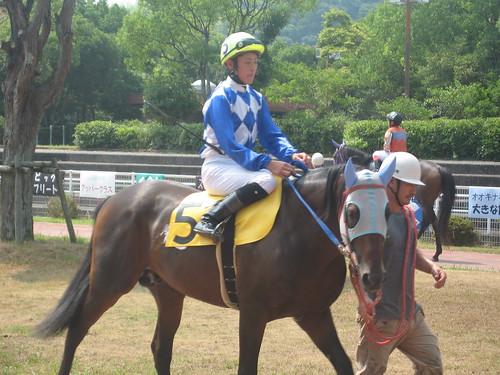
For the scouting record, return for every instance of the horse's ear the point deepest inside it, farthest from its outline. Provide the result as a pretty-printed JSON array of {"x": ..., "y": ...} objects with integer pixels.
[
  {"x": 350, "y": 175},
  {"x": 385, "y": 174},
  {"x": 335, "y": 144}
]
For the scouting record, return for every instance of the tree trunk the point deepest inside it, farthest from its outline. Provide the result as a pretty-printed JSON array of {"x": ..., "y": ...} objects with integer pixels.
[
  {"x": 19, "y": 146},
  {"x": 26, "y": 97}
]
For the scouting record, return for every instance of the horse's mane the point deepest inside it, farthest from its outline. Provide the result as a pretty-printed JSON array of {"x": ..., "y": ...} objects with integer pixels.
[
  {"x": 323, "y": 187},
  {"x": 358, "y": 156}
]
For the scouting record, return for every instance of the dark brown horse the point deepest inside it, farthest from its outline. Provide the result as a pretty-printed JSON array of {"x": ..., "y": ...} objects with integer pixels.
[
  {"x": 439, "y": 183},
  {"x": 295, "y": 271}
]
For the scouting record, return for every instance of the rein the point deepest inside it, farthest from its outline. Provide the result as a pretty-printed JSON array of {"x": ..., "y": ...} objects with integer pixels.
[{"x": 344, "y": 250}]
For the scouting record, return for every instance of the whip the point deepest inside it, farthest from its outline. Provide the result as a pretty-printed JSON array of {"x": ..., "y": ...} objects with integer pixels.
[{"x": 183, "y": 127}]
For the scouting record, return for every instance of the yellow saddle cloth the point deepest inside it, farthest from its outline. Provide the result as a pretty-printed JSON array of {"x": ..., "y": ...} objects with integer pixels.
[{"x": 253, "y": 222}]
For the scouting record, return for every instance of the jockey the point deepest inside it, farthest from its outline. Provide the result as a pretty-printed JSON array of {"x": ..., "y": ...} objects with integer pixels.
[
  {"x": 394, "y": 139},
  {"x": 235, "y": 115}
]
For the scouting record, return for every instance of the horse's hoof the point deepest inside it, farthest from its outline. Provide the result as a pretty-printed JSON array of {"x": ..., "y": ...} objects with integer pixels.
[{"x": 435, "y": 259}]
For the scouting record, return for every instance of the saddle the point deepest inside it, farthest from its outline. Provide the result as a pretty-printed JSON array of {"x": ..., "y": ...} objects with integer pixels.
[{"x": 250, "y": 224}]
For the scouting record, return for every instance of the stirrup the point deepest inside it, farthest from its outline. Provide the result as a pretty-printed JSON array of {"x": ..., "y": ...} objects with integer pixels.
[{"x": 215, "y": 234}]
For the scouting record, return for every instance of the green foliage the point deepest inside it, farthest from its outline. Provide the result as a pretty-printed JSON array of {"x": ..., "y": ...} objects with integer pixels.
[
  {"x": 170, "y": 89},
  {"x": 413, "y": 109},
  {"x": 462, "y": 231},
  {"x": 96, "y": 134},
  {"x": 294, "y": 54},
  {"x": 310, "y": 134},
  {"x": 173, "y": 138},
  {"x": 466, "y": 101},
  {"x": 339, "y": 34},
  {"x": 365, "y": 135},
  {"x": 477, "y": 139},
  {"x": 54, "y": 207}
]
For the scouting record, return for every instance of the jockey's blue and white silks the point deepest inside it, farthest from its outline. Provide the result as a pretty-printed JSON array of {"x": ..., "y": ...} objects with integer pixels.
[{"x": 235, "y": 116}]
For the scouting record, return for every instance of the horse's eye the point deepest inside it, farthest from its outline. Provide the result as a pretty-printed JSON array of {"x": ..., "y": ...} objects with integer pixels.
[{"x": 352, "y": 215}]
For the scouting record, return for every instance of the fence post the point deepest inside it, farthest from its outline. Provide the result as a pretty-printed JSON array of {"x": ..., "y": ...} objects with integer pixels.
[
  {"x": 64, "y": 203},
  {"x": 18, "y": 217}
]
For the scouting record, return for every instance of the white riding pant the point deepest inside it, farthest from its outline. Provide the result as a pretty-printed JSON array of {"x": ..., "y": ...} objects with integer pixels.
[
  {"x": 221, "y": 176},
  {"x": 380, "y": 154}
]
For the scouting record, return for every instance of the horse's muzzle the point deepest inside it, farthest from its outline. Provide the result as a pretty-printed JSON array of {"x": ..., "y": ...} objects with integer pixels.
[{"x": 372, "y": 281}]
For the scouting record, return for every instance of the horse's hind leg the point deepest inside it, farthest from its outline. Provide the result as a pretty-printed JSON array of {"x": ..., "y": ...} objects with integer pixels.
[
  {"x": 111, "y": 277},
  {"x": 439, "y": 246},
  {"x": 94, "y": 306},
  {"x": 321, "y": 330},
  {"x": 170, "y": 303}
]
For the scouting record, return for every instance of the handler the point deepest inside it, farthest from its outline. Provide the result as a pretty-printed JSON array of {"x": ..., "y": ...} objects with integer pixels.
[
  {"x": 418, "y": 342},
  {"x": 236, "y": 115}
]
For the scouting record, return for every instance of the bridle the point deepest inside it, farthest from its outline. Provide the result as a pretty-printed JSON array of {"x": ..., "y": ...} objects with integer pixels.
[
  {"x": 367, "y": 305},
  {"x": 339, "y": 156}
]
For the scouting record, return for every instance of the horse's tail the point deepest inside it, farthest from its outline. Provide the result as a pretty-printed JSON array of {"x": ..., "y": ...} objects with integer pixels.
[
  {"x": 70, "y": 304},
  {"x": 446, "y": 204}
]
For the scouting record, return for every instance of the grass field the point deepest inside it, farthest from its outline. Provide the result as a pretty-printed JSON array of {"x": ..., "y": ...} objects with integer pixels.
[{"x": 465, "y": 316}]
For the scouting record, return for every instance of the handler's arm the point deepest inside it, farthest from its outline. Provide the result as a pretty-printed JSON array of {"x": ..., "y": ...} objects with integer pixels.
[{"x": 428, "y": 266}]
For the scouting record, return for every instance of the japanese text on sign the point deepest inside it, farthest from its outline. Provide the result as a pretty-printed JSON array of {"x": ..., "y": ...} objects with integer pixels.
[
  {"x": 484, "y": 202},
  {"x": 44, "y": 184},
  {"x": 97, "y": 184}
]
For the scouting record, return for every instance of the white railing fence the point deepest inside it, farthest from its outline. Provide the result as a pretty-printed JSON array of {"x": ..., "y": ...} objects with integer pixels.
[{"x": 487, "y": 229}]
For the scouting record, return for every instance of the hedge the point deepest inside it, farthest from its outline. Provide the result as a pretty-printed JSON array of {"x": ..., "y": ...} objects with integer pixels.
[{"x": 474, "y": 139}]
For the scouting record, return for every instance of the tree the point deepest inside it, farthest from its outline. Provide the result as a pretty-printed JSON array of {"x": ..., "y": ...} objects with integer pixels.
[
  {"x": 98, "y": 83},
  {"x": 339, "y": 34},
  {"x": 31, "y": 85}
]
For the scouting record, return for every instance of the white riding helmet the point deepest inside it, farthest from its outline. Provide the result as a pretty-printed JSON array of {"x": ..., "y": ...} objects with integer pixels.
[{"x": 407, "y": 167}]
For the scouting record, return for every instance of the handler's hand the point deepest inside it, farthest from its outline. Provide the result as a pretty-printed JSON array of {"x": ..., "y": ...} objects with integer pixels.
[
  {"x": 281, "y": 168},
  {"x": 439, "y": 275},
  {"x": 304, "y": 158}
]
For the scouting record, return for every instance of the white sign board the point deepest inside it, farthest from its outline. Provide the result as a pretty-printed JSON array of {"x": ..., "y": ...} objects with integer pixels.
[
  {"x": 484, "y": 202},
  {"x": 97, "y": 184}
]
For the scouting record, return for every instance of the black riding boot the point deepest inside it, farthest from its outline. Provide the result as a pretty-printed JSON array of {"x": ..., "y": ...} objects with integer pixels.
[{"x": 244, "y": 196}]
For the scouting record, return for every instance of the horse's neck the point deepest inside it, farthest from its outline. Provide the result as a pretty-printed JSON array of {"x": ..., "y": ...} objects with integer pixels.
[
  {"x": 322, "y": 191},
  {"x": 360, "y": 157}
]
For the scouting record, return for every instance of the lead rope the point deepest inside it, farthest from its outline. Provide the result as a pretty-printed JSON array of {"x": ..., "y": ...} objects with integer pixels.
[
  {"x": 354, "y": 270},
  {"x": 372, "y": 333}
]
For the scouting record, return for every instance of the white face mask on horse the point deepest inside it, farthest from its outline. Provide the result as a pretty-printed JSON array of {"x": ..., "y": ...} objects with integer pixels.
[{"x": 365, "y": 189}]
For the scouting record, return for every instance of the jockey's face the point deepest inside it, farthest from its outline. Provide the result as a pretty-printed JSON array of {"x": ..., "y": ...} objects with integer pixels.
[{"x": 246, "y": 68}]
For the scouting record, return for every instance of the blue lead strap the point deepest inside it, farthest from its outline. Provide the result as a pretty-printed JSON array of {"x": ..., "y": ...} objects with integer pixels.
[{"x": 320, "y": 222}]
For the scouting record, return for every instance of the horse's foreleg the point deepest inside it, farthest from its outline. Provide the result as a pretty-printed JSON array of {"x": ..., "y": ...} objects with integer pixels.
[
  {"x": 252, "y": 327},
  {"x": 321, "y": 330},
  {"x": 170, "y": 303}
]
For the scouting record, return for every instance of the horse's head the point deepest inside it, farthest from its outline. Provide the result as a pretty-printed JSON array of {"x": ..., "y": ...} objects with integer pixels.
[
  {"x": 339, "y": 156},
  {"x": 363, "y": 221},
  {"x": 343, "y": 153}
]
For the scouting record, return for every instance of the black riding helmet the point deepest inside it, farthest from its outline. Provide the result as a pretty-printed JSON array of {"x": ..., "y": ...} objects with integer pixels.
[{"x": 395, "y": 118}]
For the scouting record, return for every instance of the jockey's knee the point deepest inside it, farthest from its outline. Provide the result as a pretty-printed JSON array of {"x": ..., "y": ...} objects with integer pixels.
[{"x": 267, "y": 182}]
